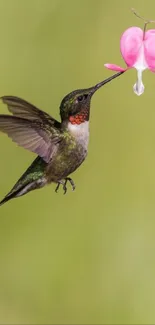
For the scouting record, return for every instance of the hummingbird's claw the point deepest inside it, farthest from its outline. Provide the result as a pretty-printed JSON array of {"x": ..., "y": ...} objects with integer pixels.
[
  {"x": 71, "y": 182},
  {"x": 64, "y": 186},
  {"x": 56, "y": 190},
  {"x": 58, "y": 185},
  {"x": 64, "y": 183}
]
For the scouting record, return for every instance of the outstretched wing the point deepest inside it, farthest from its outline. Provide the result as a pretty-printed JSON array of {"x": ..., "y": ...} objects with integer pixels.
[
  {"x": 30, "y": 127},
  {"x": 21, "y": 108}
]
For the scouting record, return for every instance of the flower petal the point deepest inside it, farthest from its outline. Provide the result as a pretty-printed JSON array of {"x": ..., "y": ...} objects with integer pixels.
[
  {"x": 141, "y": 63},
  {"x": 149, "y": 49},
  {"x": 130, "y": 44},
  {"x": 114, "y": 67},
  {"x": 138, "y": 88}
]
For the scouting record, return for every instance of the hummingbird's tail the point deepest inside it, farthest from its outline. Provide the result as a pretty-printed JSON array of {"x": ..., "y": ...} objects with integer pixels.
[
  {"x": 23, "y": 189},
  {"x": 32, "y": 179}
]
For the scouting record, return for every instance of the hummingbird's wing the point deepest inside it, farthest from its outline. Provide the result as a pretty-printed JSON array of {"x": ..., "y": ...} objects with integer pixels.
[
  {"x": 21, "y": 108},
  {"x": 30, "y": 127}
]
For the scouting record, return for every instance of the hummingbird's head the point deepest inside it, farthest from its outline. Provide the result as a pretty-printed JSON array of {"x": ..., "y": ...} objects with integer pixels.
[{"x": 75, "y": 107}]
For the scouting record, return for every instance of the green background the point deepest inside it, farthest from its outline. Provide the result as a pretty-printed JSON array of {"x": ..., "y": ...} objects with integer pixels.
[{"x": 89, "y": 256}]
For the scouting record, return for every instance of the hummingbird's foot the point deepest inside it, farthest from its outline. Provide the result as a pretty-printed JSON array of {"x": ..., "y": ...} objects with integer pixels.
[
  {"x": 56, "y": 190},
  {"x": 71, "y": 182},
  {"x": 64, "y": 183},
  {"x": 58, "y": 185},
  {"x": 65, "y": 187}
]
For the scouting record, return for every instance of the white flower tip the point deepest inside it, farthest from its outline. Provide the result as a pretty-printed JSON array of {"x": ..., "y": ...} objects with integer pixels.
[{"x": 138, "y": 88}]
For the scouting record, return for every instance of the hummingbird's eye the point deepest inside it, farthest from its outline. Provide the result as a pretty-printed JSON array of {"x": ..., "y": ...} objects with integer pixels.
[{"x": 81, "y": 98}]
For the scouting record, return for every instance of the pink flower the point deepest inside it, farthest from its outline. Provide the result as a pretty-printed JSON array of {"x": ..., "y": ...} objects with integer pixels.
[{"x": 138, "y": 51}]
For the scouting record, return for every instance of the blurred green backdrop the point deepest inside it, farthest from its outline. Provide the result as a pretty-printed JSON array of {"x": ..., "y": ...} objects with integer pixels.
[{"x": 89, "y": 256}]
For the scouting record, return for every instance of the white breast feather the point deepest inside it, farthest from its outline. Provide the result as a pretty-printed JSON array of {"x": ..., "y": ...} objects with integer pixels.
[{"x": 80, "y": 132}]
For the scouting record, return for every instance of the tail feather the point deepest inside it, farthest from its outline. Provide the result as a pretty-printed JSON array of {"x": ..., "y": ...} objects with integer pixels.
[
  {"x": 9, "y": 196},
  {"x": 32, "y": 179},
  {"x": 23, "y": 189}
]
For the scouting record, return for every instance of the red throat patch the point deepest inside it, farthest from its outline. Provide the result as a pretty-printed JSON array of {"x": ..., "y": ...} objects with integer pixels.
[{"x": 79, "y": 118}]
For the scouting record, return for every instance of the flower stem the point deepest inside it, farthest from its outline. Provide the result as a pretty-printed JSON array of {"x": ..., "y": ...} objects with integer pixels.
[{"x": 146, "y": 21}]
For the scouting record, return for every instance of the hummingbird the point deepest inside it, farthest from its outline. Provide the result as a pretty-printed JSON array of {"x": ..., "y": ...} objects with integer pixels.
[{"x": 61, "y": 147}]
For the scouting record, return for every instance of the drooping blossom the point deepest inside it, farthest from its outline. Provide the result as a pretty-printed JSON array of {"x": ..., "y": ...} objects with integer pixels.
[{"x": 138, "y": 51}]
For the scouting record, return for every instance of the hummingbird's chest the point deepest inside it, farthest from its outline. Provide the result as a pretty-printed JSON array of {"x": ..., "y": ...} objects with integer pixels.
[
  {"x": 80, "y": 134},
  {"x": 71, "y": 152}
]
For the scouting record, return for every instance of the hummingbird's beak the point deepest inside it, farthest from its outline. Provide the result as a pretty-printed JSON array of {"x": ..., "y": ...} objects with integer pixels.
[{"x": 102, "y": 83}]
